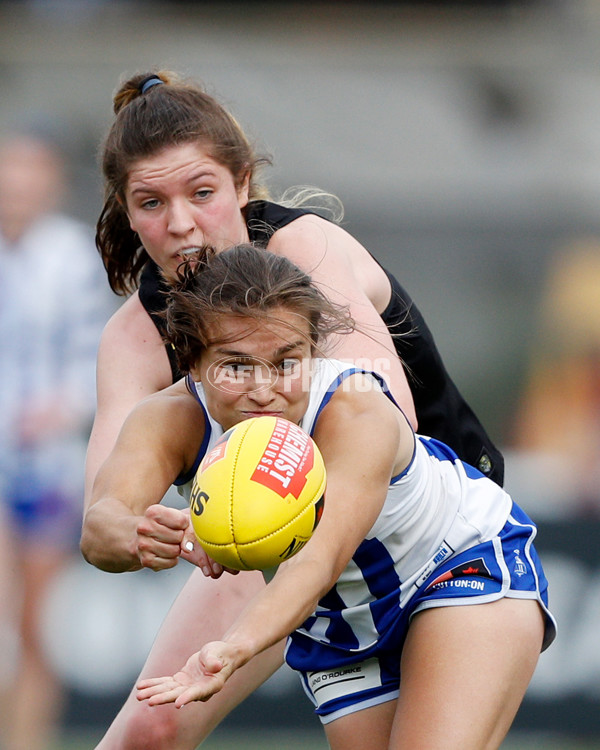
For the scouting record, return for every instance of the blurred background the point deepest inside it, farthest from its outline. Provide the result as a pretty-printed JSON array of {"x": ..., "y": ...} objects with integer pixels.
[{"x": 463, "y": 139}]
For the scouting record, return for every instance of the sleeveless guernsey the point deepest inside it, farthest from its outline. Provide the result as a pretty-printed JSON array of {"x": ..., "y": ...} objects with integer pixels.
[
  {"x": 445, "y": 536},
  {"x": 436, "y": 505}
]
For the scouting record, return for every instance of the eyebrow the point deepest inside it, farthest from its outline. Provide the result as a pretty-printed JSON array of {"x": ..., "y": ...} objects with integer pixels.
[
  {"x": 193, "y": 178},
  {"x": 277, "y": 353}
]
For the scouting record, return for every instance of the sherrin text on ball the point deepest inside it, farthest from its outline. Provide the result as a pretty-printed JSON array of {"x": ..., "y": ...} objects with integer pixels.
[{"x": 258, "y": 494}]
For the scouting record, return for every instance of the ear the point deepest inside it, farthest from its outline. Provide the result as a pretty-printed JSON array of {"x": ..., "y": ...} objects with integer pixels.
[{"x": 244, "y": 191}]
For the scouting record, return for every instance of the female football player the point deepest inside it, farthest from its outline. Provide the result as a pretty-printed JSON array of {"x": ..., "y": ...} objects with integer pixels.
[{"x": 421, "y": 572}]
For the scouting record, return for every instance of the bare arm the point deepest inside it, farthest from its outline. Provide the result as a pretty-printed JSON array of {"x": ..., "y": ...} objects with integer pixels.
[
  {"x": 349, "y": 276},
  {"x": 125, "y": 527},
  {"x": 364, "y": 440},
  {"x": 132, "y": 364}
]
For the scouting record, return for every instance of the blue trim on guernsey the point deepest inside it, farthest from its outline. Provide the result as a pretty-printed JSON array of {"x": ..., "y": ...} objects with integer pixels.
[
  {"x": 335, "y": 384},
  {"x": 189, "y": 475},
  {"x": 332, "y": 388},
  {"x": 443, "y": 452}
]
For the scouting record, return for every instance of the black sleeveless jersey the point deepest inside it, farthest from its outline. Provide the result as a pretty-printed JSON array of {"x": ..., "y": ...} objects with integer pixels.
[{"x": 441, "y": 410}]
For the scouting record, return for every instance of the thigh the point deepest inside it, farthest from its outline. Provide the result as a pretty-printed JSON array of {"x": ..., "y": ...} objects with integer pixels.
[
  {"x": 204, "y": 609},
  {"x": 369, "y": 728},
  {"x": 464, "y": 672}
]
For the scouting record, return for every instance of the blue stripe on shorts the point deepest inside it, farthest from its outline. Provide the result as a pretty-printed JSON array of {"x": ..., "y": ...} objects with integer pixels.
[{"x": 340, "y": 682}]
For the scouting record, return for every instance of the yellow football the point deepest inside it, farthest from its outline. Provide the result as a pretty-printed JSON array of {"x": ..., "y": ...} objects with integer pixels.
[{"x": 258, "y": 494}]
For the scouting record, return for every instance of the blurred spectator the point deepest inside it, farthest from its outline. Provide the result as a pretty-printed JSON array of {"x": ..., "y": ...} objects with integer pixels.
[
  {"x": 53, "y": 305},
  {"x": 557, "y": 427}
]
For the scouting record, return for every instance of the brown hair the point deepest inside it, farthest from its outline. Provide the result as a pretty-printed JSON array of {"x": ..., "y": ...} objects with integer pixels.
[
  {"x": 248, "y": 281},
  {"x": 148, "y": 119}
]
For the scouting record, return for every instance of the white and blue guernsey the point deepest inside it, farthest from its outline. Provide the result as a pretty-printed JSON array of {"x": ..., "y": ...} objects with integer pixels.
[{"x": 446, "y": 536}]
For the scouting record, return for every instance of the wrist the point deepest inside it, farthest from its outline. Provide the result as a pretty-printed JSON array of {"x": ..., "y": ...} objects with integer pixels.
[{"x": 242, "y": 649}]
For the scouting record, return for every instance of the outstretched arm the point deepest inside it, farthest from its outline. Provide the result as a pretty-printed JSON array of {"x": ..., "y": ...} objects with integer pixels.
[
  {"x": 132, "y": 364},
  {"x": 125, "y": 527},
  {"x": 359, "y": 435}
]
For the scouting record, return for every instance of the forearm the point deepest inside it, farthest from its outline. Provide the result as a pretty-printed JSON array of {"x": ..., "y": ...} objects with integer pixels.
[
  {"x": 274, "y": 614},
  {"x": 109, "y": 537}
]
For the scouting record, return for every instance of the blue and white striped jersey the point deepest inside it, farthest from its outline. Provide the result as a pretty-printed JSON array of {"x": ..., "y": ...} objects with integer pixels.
[{"x": 436, "y": 507}]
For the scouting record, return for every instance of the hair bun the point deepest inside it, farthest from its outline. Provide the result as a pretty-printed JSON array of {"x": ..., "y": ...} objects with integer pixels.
[{"x": 135, "y": 87}]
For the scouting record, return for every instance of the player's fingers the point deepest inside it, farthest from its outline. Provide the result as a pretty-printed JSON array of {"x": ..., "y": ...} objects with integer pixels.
[
  {"x": 158, "y": 563},
  {"x": 150, "y": 682},
  {"x": 169, "y": 696},
  {"x": 162, "y": 692},
  {"x": 151, "y": 530},
  {"x": 158, "y": 557},
  {"x": 172, "y": 518},
  {"x": 197, "y": 556},
  {"x": 196, "y": 693},
  {"x": 158, "y": 547}
]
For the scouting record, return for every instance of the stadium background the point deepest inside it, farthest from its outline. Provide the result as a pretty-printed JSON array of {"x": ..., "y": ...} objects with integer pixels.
[{"x": 464, "y": 141}]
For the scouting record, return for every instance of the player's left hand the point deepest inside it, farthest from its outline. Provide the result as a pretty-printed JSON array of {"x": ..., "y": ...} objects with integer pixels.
[{"x": 204, "y": 674}]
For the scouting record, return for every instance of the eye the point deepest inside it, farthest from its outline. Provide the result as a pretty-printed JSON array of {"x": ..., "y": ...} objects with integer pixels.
[
  {"x": 237, "y": 368},
  {"x": 149, "y": 204},
  {"x": 203, "y": 194},
  {"x": 289, "y": 365}
]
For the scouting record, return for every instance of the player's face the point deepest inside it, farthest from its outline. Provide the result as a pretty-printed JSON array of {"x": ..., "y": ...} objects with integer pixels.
[
  {"x": 259, "y": 368},
  {"x": 180, "y": 199}
]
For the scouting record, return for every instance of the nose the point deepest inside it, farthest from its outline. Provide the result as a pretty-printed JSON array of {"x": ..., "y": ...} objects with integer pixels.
[
  {"x": 262, "y": 395},
  {"x": 262, "y": 390},
  {"x": 181, "y": 218}
]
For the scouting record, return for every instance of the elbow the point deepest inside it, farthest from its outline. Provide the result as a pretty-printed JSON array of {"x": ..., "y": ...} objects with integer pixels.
[
  {"x": 97, "y": 556},
  {"x": 89, "y": 548},
  {"x": 85, "y": 543},
  {"x": 97, "y": 552},
  {"x": 107, "y": 541}
]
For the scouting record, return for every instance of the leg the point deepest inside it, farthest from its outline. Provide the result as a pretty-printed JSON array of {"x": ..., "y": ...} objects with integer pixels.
[
  {"x": 465, "y": 671},
  {"x": 202, "y": 612},
  {"x": 369, "y": 728},
  {"x": 35, "y": 700},
  {"x": 11, "y": 597}
]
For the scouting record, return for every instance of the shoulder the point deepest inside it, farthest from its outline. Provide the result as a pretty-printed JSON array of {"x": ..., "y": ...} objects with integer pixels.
[
  {"x": 309, "y": 225},
  {"x": 326, "y": 252},
  {"x": 173, "y": 401},
  {"x": 359, "y": 393},
  {"x": 132, "y": 348},
  {"x": 312, "y": 242},
  {"x": 131, "y": 324},
  {"x": 173, "y": 411},
  {"x": 171, "y": 419},
  {"x": 360, "y": 413},
  {"x": 264, "y": 219},
  {"x": 364, "y": 438}
]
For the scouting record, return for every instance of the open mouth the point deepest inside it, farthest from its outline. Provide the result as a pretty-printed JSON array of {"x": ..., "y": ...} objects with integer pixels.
[{"x": 190, "y": 251}]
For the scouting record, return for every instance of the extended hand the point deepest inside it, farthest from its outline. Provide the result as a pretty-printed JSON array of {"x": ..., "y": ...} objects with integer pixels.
[{"x": 204, "y": 674}]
